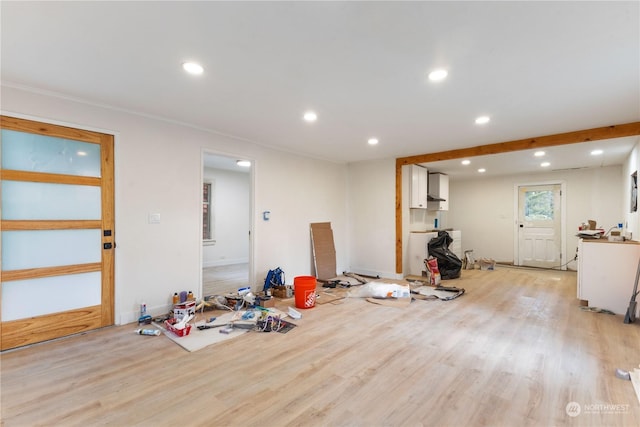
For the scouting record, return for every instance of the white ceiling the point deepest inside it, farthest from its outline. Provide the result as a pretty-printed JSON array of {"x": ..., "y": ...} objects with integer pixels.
[
  {"x": 215, "y": 161},
  {"x": 563, "y": 157},
  {"x": 536, "y": 68}
]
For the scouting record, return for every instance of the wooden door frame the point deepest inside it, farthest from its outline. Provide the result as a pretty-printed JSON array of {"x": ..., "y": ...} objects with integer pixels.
[
  {"x": 20, "y": 332},
  {"x": 595, "y": 134}
]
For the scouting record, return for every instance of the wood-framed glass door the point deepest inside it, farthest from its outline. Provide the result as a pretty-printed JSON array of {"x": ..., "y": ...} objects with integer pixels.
[{"x": 57, "y": 231}]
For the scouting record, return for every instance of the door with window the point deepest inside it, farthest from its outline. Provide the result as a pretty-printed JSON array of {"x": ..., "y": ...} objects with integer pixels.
[
  {"x": 539, "y": 225},
  {"x": 57, "y": 231}
]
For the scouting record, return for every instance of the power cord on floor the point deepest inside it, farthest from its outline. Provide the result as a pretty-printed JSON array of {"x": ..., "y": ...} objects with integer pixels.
[
  {"x": 558, "y": 267},
  {"x": 575, "y": 258}
]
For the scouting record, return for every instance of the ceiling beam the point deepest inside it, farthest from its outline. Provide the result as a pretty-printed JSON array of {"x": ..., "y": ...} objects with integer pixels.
[
  {"x": 595, "y": 134},
  {"x": 606, "y": 132}
]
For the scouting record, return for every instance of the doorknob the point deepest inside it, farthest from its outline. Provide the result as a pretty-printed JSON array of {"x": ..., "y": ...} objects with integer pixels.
[{"x": 521, "y": 225}]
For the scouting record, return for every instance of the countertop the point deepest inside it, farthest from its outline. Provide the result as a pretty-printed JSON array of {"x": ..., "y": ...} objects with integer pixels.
[{"x": 606, "y": 240}]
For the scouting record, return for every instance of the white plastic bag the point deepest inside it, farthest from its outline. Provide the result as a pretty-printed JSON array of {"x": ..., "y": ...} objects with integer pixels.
[{"x": 381, "y": 290}]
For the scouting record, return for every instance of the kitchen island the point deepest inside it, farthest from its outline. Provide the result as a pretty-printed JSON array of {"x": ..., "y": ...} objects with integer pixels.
[{"x": 606, "y": 272}]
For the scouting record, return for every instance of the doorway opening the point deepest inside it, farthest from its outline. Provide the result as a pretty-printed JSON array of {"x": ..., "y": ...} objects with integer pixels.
[
  {"x": 540, "y": 225},
  {"x": 227, "y": 198}
]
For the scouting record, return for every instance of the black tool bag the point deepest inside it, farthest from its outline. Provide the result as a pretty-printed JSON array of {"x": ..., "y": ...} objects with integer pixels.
[{"x": 448, "y": 263}]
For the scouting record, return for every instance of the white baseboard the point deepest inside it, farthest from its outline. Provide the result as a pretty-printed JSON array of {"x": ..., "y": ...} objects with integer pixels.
[{"x": 133, "y": 316}]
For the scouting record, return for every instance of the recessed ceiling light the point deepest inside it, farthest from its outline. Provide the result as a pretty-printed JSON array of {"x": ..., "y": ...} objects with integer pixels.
[
  {"x": 596, "y": 152},
  {"x": 482, "y": 120},
  {"x": 243, "y": 163},
  {"x": 466, "y": 162},
  {"x": 545, "y": 164},
  {"x": 482, "y": 170},
  {"x": 310, "y": 116},
  {"x": 438, "y": 75},
  {"x": 539, "y": 153},
  {"x": 192, "y": 68},
  {"x": 372, "y": 141}
]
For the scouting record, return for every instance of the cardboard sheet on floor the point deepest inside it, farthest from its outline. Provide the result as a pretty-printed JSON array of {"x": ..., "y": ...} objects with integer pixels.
[
  {"x": 324, "y": 251},
  {"x": 346, "y": 279},
  {"x": 339, "y": 293},
  {"x": 199, "y": 339},
  {"x": 333, "y": 296}
]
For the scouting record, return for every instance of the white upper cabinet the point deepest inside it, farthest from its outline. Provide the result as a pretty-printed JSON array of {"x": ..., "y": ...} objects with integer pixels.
[
  {"x": 419, "y": 187},
  {"x": 438, "y": 192}
]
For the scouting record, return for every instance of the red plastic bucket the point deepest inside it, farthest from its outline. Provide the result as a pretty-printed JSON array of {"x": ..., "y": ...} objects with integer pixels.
[{"x": 304, "y": 288}]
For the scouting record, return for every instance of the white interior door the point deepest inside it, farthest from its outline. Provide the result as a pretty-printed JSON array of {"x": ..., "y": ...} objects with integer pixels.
[{"x": 539, "y": 225}]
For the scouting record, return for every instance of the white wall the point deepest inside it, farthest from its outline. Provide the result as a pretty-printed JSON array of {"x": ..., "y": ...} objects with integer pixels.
[
  {"x": 371, "y": 207},
  {"x": 631, "y": 220},
  {"x": 297, "y": 191},
  {"x": 158, "y": 169},
  {"x": 231, "y": 221},
  {"x": 484, "y": 208}
]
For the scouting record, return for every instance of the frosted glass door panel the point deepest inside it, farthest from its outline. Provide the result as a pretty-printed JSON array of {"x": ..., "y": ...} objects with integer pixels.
[
  {"x": 49, "y": 248},
  {"x": 39, "y": 153},
  {"x": 22, "y": 299},
  {"x": 35, "y": 200}
]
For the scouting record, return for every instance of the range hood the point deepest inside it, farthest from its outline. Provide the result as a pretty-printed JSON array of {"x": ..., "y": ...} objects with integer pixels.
[{"x": 438, "y": 189}]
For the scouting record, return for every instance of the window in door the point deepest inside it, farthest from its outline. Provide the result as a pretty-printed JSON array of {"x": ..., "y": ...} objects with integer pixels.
[
  {"x": 538, "y": 205},
  {"x": 57, "y": 223},
  {"x": 208, "y": 234}
]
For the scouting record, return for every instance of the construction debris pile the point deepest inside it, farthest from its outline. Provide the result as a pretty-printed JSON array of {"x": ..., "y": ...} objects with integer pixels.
[{"x": 194, "y": 324}]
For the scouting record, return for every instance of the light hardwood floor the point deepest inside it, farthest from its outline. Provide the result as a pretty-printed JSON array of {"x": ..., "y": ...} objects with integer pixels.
[
  {"x": 513, "y": 351},
  {"x": 224, "y": 279}
]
